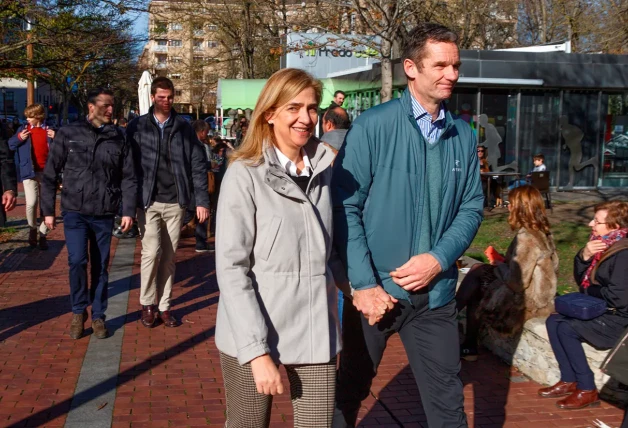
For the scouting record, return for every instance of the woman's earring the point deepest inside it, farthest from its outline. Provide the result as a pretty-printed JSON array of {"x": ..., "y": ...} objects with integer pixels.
[{"x": 270, "y": 122}]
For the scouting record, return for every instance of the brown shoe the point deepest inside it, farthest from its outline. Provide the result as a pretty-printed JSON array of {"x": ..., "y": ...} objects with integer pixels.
[
  {"x": 32, "y": 238},
  {"x": 168, "y": 319},
  {"x": 100, "y": 330},
  {"x": 43, "y": 243},
  {"x": 77, "y": 325},
  {"x": 561, "y": 389},
  {"x": 579, "y": 400},
  {"x": 149, "y": 315}
]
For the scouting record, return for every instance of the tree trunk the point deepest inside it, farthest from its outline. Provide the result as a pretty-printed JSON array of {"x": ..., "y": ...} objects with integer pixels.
[{"x": 387, "y": 72}]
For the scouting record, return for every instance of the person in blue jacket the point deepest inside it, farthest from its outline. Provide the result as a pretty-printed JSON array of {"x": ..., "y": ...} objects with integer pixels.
[{"x": 408, "y": 202}]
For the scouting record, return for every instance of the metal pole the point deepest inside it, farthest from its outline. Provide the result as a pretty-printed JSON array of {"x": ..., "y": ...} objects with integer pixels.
[
  {"x": 517, "y": 128},
  {"x": 597, "y": 140},
  {"x": 560, "y": 140},
  {"x": 30, "y": 79},
  {"x": 4, "y": 102}
]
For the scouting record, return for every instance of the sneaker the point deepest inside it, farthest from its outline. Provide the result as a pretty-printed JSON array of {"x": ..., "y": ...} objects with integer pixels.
[
  {"x": 204, "y": 248},
  {"x": 100, "y": 330},
  {"x": 77, "y": 325},
  {"x": 43, "y": 243},
  {"x": 468, "y": 353}
]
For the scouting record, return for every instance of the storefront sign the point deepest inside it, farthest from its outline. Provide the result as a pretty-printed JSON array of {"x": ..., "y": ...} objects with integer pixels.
[{"x": 323, "y": 54}]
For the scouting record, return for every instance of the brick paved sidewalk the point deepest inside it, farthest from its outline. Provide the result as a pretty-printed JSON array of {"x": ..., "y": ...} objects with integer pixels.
[{"x": 172, "y": 377}]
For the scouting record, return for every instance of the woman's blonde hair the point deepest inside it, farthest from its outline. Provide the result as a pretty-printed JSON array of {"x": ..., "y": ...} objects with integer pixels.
[
  {"x": 527, "y": 209},
  {"x": 280, "y": 88}
]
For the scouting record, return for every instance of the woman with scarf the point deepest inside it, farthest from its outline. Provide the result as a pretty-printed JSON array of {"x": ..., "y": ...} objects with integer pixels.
[{"x": 601, "y": 270}]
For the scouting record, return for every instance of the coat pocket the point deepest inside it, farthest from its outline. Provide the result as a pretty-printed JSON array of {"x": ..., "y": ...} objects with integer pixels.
[
  {"x": 270, "y": 238},
  {"x": 78, "y": 156},
  {"x": 72, "y": 196}
]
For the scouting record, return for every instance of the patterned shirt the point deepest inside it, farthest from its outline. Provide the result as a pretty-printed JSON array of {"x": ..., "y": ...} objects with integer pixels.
[{"x": 431, "y": 130}]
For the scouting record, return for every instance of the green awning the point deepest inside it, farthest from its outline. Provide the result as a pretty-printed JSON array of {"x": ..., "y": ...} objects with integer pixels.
[
  {"x": 243, "y": 93},
  {"x": 238, "y": 93}
]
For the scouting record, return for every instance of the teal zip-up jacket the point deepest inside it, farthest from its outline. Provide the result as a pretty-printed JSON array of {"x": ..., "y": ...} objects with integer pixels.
[{"x": 379, "y": 198}]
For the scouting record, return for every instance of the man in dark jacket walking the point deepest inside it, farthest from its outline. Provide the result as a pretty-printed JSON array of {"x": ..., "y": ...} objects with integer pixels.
[
  {"x": 8, "y": 175},
  {"x": 171, "y": 166},
  {"x": 98, "y": 175}
]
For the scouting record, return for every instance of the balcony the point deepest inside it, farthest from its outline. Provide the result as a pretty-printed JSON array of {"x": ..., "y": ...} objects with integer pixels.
[{"x": 158, "y": 48}]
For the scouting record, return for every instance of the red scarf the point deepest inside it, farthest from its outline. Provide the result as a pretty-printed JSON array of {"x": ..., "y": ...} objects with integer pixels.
[{"x": 610, "y": 239}]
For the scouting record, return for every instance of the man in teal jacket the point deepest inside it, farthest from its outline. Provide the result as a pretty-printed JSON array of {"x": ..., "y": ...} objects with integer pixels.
[{"x": 407, "y": 204}]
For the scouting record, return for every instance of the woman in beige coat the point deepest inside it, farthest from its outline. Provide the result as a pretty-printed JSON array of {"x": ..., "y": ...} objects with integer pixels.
[
  {"x": 278, "y": 299},
  {"x": 505, "y": 295}
]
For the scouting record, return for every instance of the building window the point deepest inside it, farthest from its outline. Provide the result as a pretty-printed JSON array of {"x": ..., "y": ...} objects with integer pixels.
[
  {"x": 178, "y": 92},
  {"x": 176, "y": 26},
  {"x": 161, "y": 58},
  {"x": 175, "y": 76},
  {"x": 161, "y": 27},
  {"x": 175, "y": 43},
  {"x": 212, "y": 27},
  {"x": 175, "y": 60},
  {"x": 162, "y": 42},
  {"x": 212, "y": 44},
  {"x": 197, "y": 44},
  {"x": 199, "y": 59}
]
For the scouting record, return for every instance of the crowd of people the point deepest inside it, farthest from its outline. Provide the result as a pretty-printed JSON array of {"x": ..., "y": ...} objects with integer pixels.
[{"x": 360, "y": 228}]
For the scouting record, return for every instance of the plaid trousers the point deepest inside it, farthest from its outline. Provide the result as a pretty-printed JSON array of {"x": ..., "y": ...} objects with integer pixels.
[{"x": 312, "y": 392}]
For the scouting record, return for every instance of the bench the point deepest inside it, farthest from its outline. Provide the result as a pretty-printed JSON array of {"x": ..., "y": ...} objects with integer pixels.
[{"x": 532, "y": 355}]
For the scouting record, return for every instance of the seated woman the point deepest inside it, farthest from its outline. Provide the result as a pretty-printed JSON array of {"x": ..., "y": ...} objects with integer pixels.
[
  {"x": 278, "y": 300},
  {"x": 601, "y": 270},
  {"x": 485, "y": 167},
  {"x": 507, "y": 294}
]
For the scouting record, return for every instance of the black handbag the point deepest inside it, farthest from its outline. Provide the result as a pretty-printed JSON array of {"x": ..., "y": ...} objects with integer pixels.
[
  {"x": 616, "y": 362},
  {"x": 580, "y": 306}
]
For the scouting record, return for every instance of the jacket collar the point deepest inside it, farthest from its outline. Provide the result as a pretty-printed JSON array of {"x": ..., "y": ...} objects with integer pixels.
[
  {"x": 406, "y": 102},
  {"x": 276, "y": 177}
]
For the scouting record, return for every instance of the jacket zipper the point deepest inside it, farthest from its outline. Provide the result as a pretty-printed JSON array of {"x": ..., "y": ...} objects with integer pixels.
[{"x": 174, "y": 176}]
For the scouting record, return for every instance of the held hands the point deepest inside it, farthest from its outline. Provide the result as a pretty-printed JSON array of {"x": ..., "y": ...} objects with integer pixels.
[
  {"x": 49, "y": 221},
  {"x": 50, "y": 133},
  {"x": 8, "y": 200},
  {"x": 202, "y": 214},
  {"x": 418, "y": 272},
  {"x": 24, "y": 134},
  {"x": 266, "y": 376},
  {"x": 373, "y": 303},
  {"x": 592, "y": 248}
]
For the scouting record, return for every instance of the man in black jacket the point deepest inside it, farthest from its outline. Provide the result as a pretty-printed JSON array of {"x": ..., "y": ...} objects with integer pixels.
[
  {"x": 170, "y": 163},
  {"x": 98, "y": 175}
]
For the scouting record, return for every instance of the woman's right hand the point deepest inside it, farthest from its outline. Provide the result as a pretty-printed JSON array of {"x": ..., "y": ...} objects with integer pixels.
[
  {"x": 266, "y": 376},
  {"x": 24, "y": 134},
  {"x": 592, "y": 248}
]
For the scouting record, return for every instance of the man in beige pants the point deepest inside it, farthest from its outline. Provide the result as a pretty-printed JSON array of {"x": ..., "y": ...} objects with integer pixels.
[{"x": 170, "y": 162}]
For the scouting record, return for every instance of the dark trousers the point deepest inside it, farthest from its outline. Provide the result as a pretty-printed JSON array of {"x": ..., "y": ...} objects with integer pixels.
[
  {"x": 430, "y": 338},
  {"x": 567, "y": 346},
  {"x": 88, "y": 238}
]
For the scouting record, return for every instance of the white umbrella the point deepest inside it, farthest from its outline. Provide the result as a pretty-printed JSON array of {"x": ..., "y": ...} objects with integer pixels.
[{"x": 143, "y": 92}]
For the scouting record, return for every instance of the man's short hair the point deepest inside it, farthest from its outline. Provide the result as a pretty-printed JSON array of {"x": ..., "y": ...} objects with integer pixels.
[
  {"x": 94, "y": 93},
  {"x": 161, "y": 82},
  {"x": 35, "y": 111},
  {"x": 200, "y": 126},
  {"x": 339, "y": 92},
  {"x": 539, "y": 156},
  {"x": 338, "y": 118},
  {"x": 414, "y": 45}
]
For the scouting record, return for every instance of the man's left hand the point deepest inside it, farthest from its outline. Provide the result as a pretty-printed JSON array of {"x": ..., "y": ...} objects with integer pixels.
[
  {"x": 126, "y": 223},
  {"x": 8, "y": 200},
  {"x": 417, "y": 273},
  {"x": 202, "y": 214}
]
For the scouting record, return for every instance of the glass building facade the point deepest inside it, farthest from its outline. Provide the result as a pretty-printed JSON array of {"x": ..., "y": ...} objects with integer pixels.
[{"x": 572, "y": 108}]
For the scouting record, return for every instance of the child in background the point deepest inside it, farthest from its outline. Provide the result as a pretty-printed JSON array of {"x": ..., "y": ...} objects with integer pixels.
[{"x": 539, "y": 165}]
